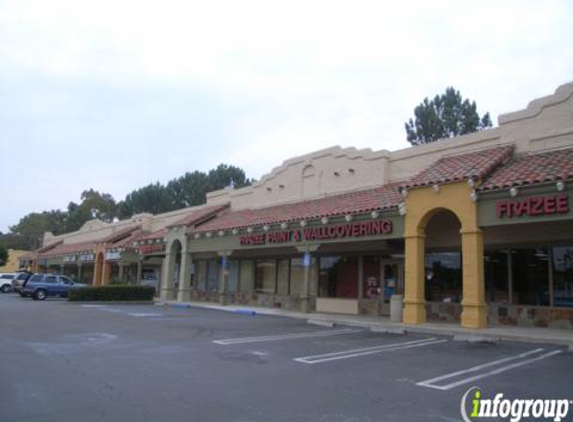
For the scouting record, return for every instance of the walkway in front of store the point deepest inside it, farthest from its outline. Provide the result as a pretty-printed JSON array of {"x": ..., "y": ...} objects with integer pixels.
[{"x": 383, "y": 324}]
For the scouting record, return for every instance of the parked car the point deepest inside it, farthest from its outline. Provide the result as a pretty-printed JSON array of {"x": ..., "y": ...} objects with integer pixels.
[
  {"x": 150, "y": 279},
  {"x": 19, "y": 280},
  {"x": 40, "y": 286},
  {"x": 6, "y": 282}
]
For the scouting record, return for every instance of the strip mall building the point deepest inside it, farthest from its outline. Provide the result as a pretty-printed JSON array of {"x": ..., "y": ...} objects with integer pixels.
[{"x": 476, "y": 230}]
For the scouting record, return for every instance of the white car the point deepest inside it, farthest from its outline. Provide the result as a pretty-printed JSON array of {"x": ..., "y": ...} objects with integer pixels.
[{"x": 6, "y": 282}]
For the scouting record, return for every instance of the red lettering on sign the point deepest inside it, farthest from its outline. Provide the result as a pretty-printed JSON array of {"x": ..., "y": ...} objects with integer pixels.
[{"x": 535, "y": 206}]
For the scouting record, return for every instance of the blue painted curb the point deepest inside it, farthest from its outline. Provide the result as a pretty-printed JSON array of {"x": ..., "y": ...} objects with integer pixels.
[{"x": 246, "y": 312}]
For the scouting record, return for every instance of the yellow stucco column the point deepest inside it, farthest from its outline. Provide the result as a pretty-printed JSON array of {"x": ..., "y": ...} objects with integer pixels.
[
  {"x": 474, "y": 312},
  {"x": 414, "y": 301},
  {"x": 106, "y": 273}
]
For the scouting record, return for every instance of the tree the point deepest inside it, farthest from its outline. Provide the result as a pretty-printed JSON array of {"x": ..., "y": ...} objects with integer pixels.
[
  {"x": 3, "y": 255},
  {"x": 445, "y": 116}
]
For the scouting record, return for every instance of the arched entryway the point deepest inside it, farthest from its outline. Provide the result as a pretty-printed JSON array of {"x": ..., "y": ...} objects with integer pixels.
[{"x": 453, "y": 206}]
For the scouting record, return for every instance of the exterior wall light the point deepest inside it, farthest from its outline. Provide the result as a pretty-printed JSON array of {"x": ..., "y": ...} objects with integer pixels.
[
  {"x": 436, "y": 188},
  {"x": 404, "y": 192},
  {"x": 235, "y": 232},
  {"x": 221, "y": 233},
  {"x": 560, "y": 185},
  {"x": 402, "y": 208},
  {"x": 513, "y": 192},
  {"x": 471, "y": 182},
  {"x": 249, "y": 229},
  {"x": 303, "y": 223},
  {"x": 209, "y": 234},
  {"x": 474, "y": 196},
  {"x": 266, "y": 227},
  {"x": 374, "y": 215},
  {"x": 348, "y": 218},
  {"x": 197, "y": 235},
  {"x": 284, "y": 225},
  {"x": 324, "y": 220}
]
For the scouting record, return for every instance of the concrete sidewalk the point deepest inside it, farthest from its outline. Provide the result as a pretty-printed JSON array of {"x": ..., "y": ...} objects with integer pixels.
[{"x": 383, "y": 324}]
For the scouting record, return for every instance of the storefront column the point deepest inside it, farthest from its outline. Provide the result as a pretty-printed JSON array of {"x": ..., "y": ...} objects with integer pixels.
[
  {"x": 184, "y": 292},
  {"x": 106, "y": 273},
  {"x": 139, "y": 271},
  {"x": 224, "y": 278},
  {"x": 79, "y": 273},
  {"x": 167, "y": 273},
  {"x": 474, "y": 309},
  {"x": 414, "y": 301},
  {"x": 120, "y": 272},
  {"x": 307, "y": 260}
]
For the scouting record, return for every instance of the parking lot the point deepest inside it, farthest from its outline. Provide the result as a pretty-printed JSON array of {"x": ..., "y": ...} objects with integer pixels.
[{"x": 72, "y": 362}]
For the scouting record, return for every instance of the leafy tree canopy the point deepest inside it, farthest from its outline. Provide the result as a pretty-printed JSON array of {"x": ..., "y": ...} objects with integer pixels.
[
  {"x": 187, "y": 190},
  {"x": 444, "y": 116},
  {"x": 3, "y": 255}
]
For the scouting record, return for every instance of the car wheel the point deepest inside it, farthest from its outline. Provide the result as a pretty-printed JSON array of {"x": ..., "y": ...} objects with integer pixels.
[
  {"x": 5, "y": 288},
  {"x": 22, "y": 294},
  {"x": 40, "y": 294}
]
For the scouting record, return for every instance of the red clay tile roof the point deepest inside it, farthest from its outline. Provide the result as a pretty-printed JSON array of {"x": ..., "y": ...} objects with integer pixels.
[
  {"x": 120, "y": 234},
  {"x": 378, "y": 199},
  {"x": 532, "y": 169},
  {"x": 474, "y": 165},
  {"x": 127, "y": 241},
  {"x": 68, "y": 249},
  {"x": 196, "y": 217},
  {"x": 49, "y": 247},
  {"x": 159, "y": 234}
]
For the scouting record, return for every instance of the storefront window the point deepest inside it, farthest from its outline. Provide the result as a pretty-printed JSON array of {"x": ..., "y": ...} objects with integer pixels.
[
  {"x": 213, "y": 270},
  {"x": 444, "y": 277},
  {"x": 531, "y": 276},
  {"x": 371, "y": 277},
  {"x": 233, "y": 268},
  {"x": 338, "y": 277},
  {"x": 297, "y": 276},
  {"x": 563, "y": 275},
  {"x": 247, "y": 275},
  {"x": 283, "y": 277},
  {"x": 266, "y": 272},
  {"x": 496, "y": 277},
  {"x": 201, "y": 275}
]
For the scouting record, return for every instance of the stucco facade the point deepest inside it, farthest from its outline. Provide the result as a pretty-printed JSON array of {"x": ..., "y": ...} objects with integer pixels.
[{"x": 474, "y": 230}]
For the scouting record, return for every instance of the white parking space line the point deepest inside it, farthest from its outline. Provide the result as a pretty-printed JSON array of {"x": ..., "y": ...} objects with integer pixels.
[
  {"x": 144, "y": 314},
  {"x": 285, "y": 336},
  {"x": 431, "y": 383},
  {"x": 346, "y": 354}
]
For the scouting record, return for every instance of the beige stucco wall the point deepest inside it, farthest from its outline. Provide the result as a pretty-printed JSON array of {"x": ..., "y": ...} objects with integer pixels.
[{"x": 546, "y": 123}]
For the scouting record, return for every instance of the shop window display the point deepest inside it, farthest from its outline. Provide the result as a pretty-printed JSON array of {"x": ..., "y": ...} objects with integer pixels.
[
  {"x": 443, "y": 277},
  {"x": 265, "y": 275},
  {"x": 531, "y": 276},
  {"x": 563, "y": 275},
  {"x": 338, "y": 277}
]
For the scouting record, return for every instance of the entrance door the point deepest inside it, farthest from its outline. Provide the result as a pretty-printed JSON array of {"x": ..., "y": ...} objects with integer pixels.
[{"x": 392, "y": 276}]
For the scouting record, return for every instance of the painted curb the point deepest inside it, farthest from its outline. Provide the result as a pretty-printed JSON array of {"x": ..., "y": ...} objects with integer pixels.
[{"x": 321, "y": 323}]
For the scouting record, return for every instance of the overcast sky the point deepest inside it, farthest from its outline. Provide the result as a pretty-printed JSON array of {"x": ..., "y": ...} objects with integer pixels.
[{"x": 113, "y": 95}]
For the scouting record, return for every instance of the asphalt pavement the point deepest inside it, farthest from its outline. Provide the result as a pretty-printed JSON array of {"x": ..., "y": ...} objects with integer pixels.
[{"x": 63, "y": 361}]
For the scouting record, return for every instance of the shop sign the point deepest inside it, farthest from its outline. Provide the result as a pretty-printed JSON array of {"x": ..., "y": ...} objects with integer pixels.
[
  {"x": 87, "y": 257},
  {"x": 339, "y": 231},
  {"x": 533, "y": 206},
  {"x": 152, "y": 247},
  {"x": 112, "y": 255}
]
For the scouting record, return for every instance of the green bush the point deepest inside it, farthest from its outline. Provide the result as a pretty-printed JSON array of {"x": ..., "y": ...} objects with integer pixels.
[
  {"x": 116, "y": 281},
  {"x": 111, "y": 293}
]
